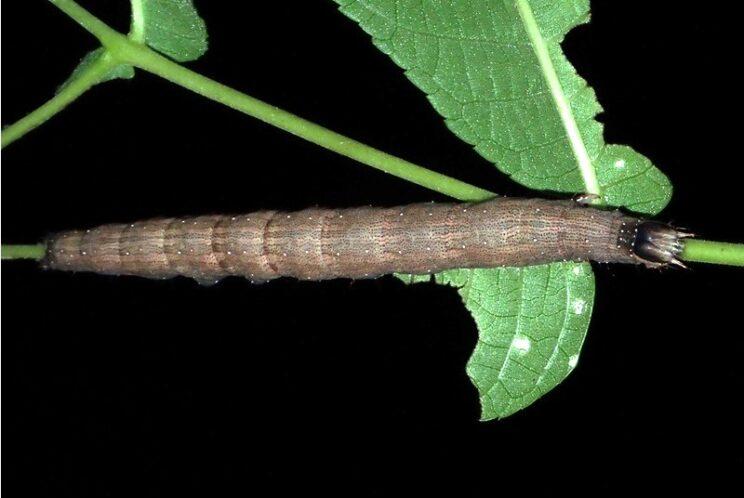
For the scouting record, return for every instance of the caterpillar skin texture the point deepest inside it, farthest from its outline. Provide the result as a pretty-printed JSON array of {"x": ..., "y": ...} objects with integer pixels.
[{"x": 319, "y": 244}]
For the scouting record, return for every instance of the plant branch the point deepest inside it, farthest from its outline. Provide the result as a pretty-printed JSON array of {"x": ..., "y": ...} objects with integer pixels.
[
  {"x": 121, "y": 49},
  {"x": 91, "y": 23},
  {"x": 125, "y": 50},
  {"x": 36, "y": 251},
  {"x": 150, "y": 61},
  {"x": 71, "y": 91},
  {"x": 708, "y": 251}
]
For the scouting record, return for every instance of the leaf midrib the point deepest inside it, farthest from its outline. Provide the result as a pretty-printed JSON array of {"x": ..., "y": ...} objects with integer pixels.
[
  {"x": 578, "y": 147},
  {"x": 137, "y": 30}
]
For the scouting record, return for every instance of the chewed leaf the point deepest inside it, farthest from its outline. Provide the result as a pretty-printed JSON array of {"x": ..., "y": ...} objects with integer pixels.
[
  {"x": 123, "y": 71},
  {"x": 172, "y": 27},
  {"x": 496, "y": 72},
  {"x": 629, "y": 179},
  {"x": 531, "y": 325}
]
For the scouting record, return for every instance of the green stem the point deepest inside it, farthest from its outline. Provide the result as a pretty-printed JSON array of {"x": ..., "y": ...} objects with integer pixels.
[
  {"x": 125, "y": 50},
  {"x": 36, "y": 251},
  {"x": 708, "y": 251},
  {"x": 71, "y": 91},
  {"x": 148, "y": 60},
  {"x": 121, "y": 49},
  {"x": 91, "y": 23}
]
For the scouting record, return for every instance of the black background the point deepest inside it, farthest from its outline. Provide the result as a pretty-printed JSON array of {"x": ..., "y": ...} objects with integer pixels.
[{"x": 124, "y": 386}]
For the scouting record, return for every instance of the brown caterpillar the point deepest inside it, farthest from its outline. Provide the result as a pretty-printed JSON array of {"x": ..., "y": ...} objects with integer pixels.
[{"x": 318, "y": 244}]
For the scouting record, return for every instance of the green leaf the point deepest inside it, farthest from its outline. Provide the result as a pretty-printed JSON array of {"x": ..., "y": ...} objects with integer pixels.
[
  {"x": 172, "y": 27},
  {"x": 531, "y": 325},
  {"x": 496, "y": 72},
  {"x": 123, "y": 71}
]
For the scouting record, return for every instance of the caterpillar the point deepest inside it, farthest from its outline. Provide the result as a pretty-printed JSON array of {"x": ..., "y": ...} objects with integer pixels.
[{"x": 366, "y": 242}]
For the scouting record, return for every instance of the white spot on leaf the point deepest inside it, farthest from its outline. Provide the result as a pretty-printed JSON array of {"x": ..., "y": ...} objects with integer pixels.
[
  {"x": 578, "y": 305},
  {"x": 573, "y": 361},
  {"x": 521, "y": 344},
  {"x": 620, "y": 163}
]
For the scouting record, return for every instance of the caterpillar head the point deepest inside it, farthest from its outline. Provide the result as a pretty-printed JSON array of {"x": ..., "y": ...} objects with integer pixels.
[{"x": 658, "y": 243}]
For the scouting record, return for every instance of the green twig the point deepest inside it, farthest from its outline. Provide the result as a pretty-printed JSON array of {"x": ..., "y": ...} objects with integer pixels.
[
  {"x": 125, "y": 50},
  {"x": 71, "y": 91},
  {"x": 91, "y": 23},
  {"x": 148, "y": 60},
  {"x": 121, "y": 49},
  {"x": 708, "y": 251},
  {"x": 36, "y": 251}
]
